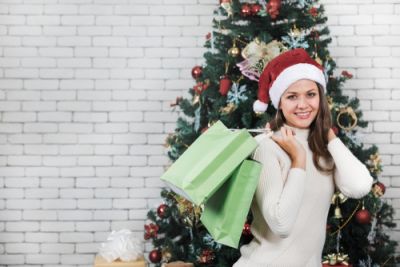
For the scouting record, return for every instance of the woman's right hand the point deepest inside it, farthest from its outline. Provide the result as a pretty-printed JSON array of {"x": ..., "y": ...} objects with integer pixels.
[{"x": 292, "y": 147}]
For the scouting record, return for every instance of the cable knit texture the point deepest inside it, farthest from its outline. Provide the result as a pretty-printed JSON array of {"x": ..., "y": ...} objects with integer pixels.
[{"x": 291, "y": 205}]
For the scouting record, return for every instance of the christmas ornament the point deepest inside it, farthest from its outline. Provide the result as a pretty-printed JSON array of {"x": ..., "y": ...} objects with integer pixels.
[
  {"x": 378, "y": 189},
  {"x": 224, "y": 85},
  {"x": 273, "y": 7},
  {"x": 330, "y": 102},
  {"x": 201, "y": 86},
  {"x": 347, "y": 74},
  {"x": 295, "y": 39},
  {"x": 246, "y": 229},
  {"x": 338, "y": 198},
  {"x": 313, "y": 11},
  {"x": 197, "y": 71},
  {"x": 237, "y": 94},
  {"x": 208, "y": 36},
  {"x": 374, "y": 163},
  {"x": 245, "y": 10},
  {"x": 255, "y": 8},
  {"x": 207, "y": 256},
  {"x": 336, "y": 259},
  {"x": 228, "y": 109},
  {"x": 234, "y": 51},
  {"x": 363, "y": 216},
  {"x": 257, "y": 54},
  {"x": 151, "y": 231},
  {"x": 155, "y": 256},
  {"x": 166, "y": 255},
  {"x": 162, "y": 211},
  {"x": 347, "y": 118},
  {"x": 227, "y": 6},
  {"x": 177, "y": 101}
]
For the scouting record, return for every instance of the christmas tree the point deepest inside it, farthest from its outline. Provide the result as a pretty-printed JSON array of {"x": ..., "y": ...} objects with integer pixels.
[{"x": 244, "y": 38}]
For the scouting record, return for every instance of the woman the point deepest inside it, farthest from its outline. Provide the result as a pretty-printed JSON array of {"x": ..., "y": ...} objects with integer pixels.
[{"x": 302, "y": 162}]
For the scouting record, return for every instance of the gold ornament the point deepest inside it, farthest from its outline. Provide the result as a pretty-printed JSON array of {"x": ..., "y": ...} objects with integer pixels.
[
  {"x": 196, "y": 99},
  {"x": 234, "y": 51},
  {"x": 335, "y": 259},
  {"x": 348, "y": 112},
  {"x": 337, "y": 198},
  {"x": 374, "y": 163},
  {"x": 330, "y": 102},
  {"x": 166, "y": 255},
  {"x": 228, "y": 109}
]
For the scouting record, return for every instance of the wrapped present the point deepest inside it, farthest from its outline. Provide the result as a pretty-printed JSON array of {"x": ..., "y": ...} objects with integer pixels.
[
  {"x": 336, "y": 265},
  {"x": 101, "y": 262},
  {"x": 121, "y": 249},
  {"x": 178, "y": 264},
  {"x": 336, "y": 260},
  {"x": 226, "y": 211},
  {"x": 208, "y": 162}
]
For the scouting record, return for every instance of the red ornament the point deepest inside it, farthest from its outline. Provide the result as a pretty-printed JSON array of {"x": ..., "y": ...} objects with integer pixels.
[
  {"x": 155, "y": 256},
  {"x": 207, "y": 256},
  {"x": 363, "y": 216},
  {"x": 208, "y": 36},
  {"x": 273, "y": 7},
  {"x": 313, "y": 11},
  {"x": 162, "y": 211},
  {"x": 255, "y": 8},
  {"x": 246, "y": 229},
  {"x": 200, "y": 87},
  {"x": 378, "y": 189},
  {"x": 151, "y": 231},
  {"x": 197, "y": 71},
  {"x": 224, "y": 85},
  {"x": 245, "y": 10},
  {"x": 347, "y": 74}
]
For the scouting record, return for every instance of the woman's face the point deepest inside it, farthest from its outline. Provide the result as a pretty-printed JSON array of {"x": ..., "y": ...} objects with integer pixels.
[{"x": 300, "y": 103}]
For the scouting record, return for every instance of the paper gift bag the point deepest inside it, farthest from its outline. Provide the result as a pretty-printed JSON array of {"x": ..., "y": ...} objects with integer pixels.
[
  {"x": 208, "y": 162},
  {"x": 226, "y": 211}
]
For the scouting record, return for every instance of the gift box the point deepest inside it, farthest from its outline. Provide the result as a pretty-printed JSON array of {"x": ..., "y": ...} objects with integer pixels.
[
  {"x": 178, "y": 264},
  {"x": 101, "y": 262}
]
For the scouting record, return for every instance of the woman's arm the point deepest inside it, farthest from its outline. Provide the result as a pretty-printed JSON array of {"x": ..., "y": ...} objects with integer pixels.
[
  {"x": 279, "y": 201},
  {"x": 351, "y": 175}
]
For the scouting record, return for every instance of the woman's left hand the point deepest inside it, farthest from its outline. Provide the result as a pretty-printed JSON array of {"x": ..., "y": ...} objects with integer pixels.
[{"x": 331, "y": 135}]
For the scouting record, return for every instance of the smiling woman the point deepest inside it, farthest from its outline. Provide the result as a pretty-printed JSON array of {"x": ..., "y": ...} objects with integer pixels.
[{"x": 299, "y": 104}]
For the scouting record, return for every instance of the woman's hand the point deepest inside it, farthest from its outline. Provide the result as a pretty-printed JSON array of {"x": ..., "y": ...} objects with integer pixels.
[{"x": 292, "y": 147}]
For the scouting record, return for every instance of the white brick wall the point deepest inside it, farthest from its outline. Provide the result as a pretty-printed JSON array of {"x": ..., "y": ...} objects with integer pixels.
[{"x": 84, "y": 110}]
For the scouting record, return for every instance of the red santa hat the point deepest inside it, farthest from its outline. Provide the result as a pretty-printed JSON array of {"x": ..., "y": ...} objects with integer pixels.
[{"x": 281, "y": 72}]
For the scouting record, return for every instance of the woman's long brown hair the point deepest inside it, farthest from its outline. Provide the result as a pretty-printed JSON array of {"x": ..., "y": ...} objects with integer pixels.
[{"x": 318, "y": 134}]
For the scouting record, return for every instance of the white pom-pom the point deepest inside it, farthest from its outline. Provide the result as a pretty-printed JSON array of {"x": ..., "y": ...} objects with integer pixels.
[{"x": 259, "y": 107}]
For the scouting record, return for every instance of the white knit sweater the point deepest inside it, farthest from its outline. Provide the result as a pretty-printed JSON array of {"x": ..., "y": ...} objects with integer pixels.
[{"x": 291, "y": 206}]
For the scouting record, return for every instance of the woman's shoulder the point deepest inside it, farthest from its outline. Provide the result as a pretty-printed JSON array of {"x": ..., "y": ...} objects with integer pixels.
[{"x": 266, "y": 143}]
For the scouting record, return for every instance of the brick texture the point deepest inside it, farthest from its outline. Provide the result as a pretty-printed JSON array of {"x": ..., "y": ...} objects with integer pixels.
[{"x": 84, "y": 111}]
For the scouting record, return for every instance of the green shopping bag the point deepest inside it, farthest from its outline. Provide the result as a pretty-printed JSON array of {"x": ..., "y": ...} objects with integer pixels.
[
  {"x": 225, "y": 212},
  {"x": 208, "y": 162}
]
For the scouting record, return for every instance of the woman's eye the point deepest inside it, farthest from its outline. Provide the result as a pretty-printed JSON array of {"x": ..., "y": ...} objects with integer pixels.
[
  {"x": 312, "y": 94},
  {"x": 291, "y": 97}
]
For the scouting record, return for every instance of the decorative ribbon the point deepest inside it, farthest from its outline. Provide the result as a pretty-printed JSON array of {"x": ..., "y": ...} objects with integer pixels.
[{"x": 121, "y": 245}]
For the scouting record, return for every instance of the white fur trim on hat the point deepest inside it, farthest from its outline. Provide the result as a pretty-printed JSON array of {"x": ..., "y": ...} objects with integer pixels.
[
  {"x": 259, "y": 107},
  {"x": 292, "y": 74}
]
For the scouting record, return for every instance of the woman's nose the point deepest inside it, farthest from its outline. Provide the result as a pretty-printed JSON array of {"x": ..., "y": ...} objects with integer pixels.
[{"x": 302, "y": 102}]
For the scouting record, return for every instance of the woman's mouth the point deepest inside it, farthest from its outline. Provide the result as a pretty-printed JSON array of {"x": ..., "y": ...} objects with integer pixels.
[{"x": 303, "y": 115}]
